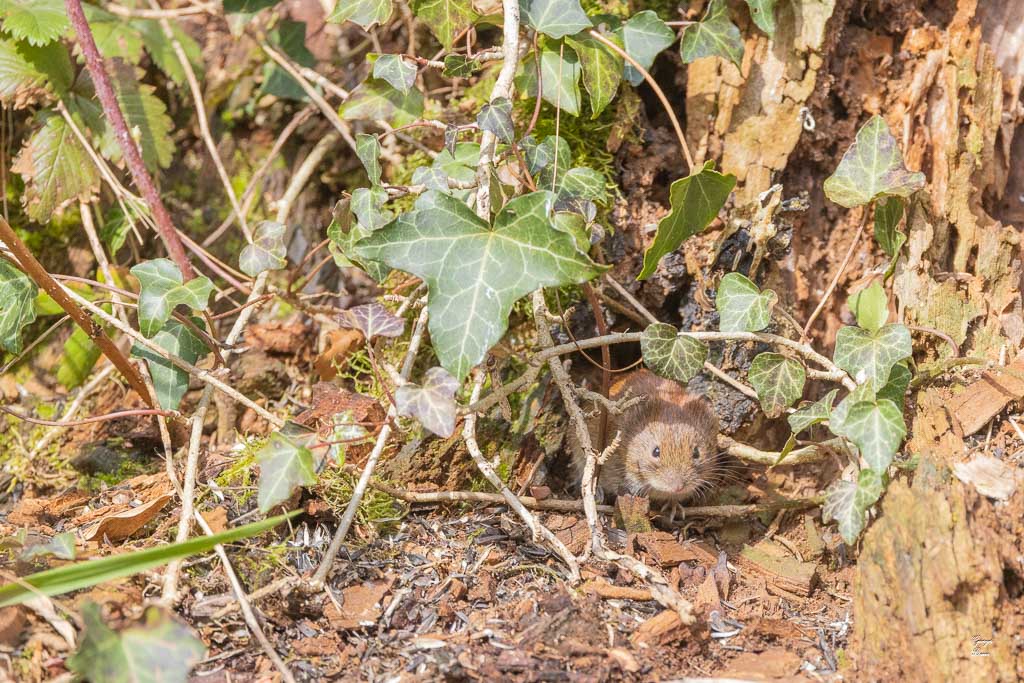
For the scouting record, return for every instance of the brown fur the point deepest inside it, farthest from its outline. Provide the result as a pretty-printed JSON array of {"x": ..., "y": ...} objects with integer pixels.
[{"x": 668, "y": 418}]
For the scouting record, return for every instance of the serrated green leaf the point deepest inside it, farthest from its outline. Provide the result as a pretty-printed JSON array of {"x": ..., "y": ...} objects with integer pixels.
[
  {"x": 446, "y": 18},
  {"x": 812, "y": 413},
  {"x": 888, "y": 212},
  {"x": 670, "y": 354},
  {"x": 375, "y": 99},
  {"x": 267, "y": 251},
  {"x": 37, "y": 21},
  {"x": 496, "y": 117},
  {"x": 169, "y": 381},
  {"x": 763, "y": 14},
  {"x": 778, "y": 381},
  {"x": 433, "y": 403},
  {"x": 602, "y": 69},
  {"x": 643, "y": 37},
  {"x": 877, "y": 429},
  {"x": 696, "y": 200},
  {"x": 871, "y": 168},
  {"x": 115, "y": 230},
  {"x": 163, "y": 290},
  {"x": 145, "y": 114},
  {"x": 368, "y": 151},
  {"x": 77, "y": 359},
  {"x": 30, "y": 74},
  {"x": 459, "y": 66},
  {"x": 554, "y": 18},
  {"x": 396, "y": 70},
  {"x": 161, "y": 50},
  {"x": 560, "y": 79},
  {"x": 56, "y": 169},
  {"x": 115, "y": 37},
  {"x": 366, "y": 13},
  {"x": 742, "y": 307},
  {"x": 869, "y": 356},
  {"x": 713, "y": 36},
  {"x": 17, "y": 296},
  {"x": 290, "y": 38},
  {"x": 284, "y": 466},
  {"x": 474, "y": 273},
  {"x": 870, "y": 306},
  {"x": 158, "y": 650},
  {"x": 841, "y": 506}
]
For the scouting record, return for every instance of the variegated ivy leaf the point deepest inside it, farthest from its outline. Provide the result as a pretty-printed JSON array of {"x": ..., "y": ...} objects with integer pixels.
[
  {"x": 396, "y": 70},
  {"x": 162, "y": 289},
  {"x": 475, "y": 273},
  {"x": 870, "y": 356},
  {"x": 433, "y": 403},
  {"x": 344, "y": 232},
  {"x": 742, "y": 307},
  {"x": 17, "y": 294},
  {"x": 877, "y": 428},
  {"x": 869, "y": 488},
  {"x": 267, "y": 251},
  {"x": 870, "y": 306},
  {"x": 580, "y": 183},
  {"x": 763, "y": 14},
  {"x": 696, "y": 200},
  {"x": 871, "y": 168},
  {"x": 837, "y": 420},
  {"x": 366, "y": 13},
  {"x": 847, "y": 503},
  {"x": 446, "y": 18},
  {"x": 602, "y": 69},
  {"x": 560, "y": 79},
  {"x": 643, "y": 37},
  {"x": 368, "y": 151},
  {"x": 713, "y": 36},
  {"x": 895, "y": 388},
  {"x": 61, "y": 546},
  {"x": 554, "y": 18},
  {"x": 169, "y": 381},
  {"x": 670, "y": 354},
  {"x": 368, "y": 206},
  {"x": 285, "y": 464},
  {"x": 542, "y": 155},
  {"x": 37, "y": 21},
  {"x": 496, "y": 117},
  {"x": 812, "y": 413},
  {"x": 459, "y": 166},
  {"x": 459, "y": 66},
  {"x": 373, "y": 320},
  {"x": 376, "y": 99},
  {"x": 778, "y": 381},
  {"x": 888, "y": 212}
]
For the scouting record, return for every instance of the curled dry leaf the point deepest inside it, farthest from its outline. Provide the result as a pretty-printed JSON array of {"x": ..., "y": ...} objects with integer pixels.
[{"x": 433, "y": 404}]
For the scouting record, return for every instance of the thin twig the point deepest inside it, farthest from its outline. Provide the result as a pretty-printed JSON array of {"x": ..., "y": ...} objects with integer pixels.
[
  {"x": 839, "y": 273},
  {"x": 88, "y": 420}
]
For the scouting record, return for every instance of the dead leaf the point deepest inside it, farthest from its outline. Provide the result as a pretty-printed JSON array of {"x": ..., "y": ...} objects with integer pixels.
[
  {"x": 120, "y": 525},
  {"x": 277, "y": 336},
  {"x": 217, "y": 518},
  {"x": 12, "y": 624},
  {"x": 665, "y": 550},
  {"x": 329, "y": 400},
  {"x": 360, "y": 606},
  {"x": 991, "y": 477},
  {"x": 340, "y": 345}
]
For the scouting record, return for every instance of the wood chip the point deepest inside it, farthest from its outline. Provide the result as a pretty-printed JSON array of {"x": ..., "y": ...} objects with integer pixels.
[
  {"x": 991, "y": 477},
  {"x": 778, "y": 568},
  {"x": 666, "y": 551},
  {"x": 603, "y": 589},
  {"x": 663, "y": 628},
  {"x": 987, "y": 397},
  {"x": 360, "y": 606}
]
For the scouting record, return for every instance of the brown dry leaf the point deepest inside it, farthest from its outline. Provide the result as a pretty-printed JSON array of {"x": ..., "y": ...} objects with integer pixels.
[
  {"x": 217, "y": 518},
  {"x": 708, "y": 599},
  {"x": 665, "y": 550},
  {"x": 360, "y": 606},
  {"x": 340, "y": 344},
  {"x": 12, "y": 623},
  {"x": 278, "y": 336},
  {"x": 329, "y": 400},
  {"x": 120, "y": 525}
]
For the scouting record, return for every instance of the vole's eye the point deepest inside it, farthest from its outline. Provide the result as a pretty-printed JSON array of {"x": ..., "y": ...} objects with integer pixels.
[
  {"x": 656, "y": 453},
  {"x": 696, "y": 453}
]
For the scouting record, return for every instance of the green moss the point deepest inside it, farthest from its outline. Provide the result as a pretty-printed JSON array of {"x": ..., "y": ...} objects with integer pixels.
[
  {"x": 240, "y": 476},
  {"x": 376, "y": 509}
]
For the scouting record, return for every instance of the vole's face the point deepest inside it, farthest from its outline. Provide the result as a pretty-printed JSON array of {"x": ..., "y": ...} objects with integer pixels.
[{"x": 670, "y": 461}]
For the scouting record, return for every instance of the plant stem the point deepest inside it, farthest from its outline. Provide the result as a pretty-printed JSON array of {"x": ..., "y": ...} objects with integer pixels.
[{"x": 839, "y": 274}]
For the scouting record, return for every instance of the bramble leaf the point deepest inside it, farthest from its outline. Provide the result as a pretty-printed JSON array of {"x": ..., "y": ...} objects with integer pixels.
[
  {"x": 871, "y": 168},
  {"x": 433, "y": 403},
  {"x": 376, "y": 99},
  {"x": 368, "y": 150},
  {"x": 870, "y": 306},
  {"x": 888, "y": 212},
  {"x": 366, "y": 13},
  {"x": 169, "y": 381},
  {"x": 812, "y": 413},
  {"x": 17, "y": 294},
  {"x": 778, "y": 381},
  {"x": 554, "y": 18},
  {"x": 696, "y": 200},
  {"x": 670, "y": 354},
  {"x": 446, "y": 18},
  {"x": 146, "y": 114},
  {"x": 161, "y": 50},
  {"x": 56, "y": 169},
  {"x": 877, "y": 428},
  {"x": 742, "y": 307},
  {"x": 373, "y": 320},
  {"x": 643, "y": 37},
  {"x": 763, "y": 14},
  {"x": 267, "y": 251},
  {"x": 602, "y": 69},
  {"x": 163, "y": 289},
  {"x": 285, "y": 465},
  {"x": 29, "y": 74},
  {"x": 496, "y": 117},
  {"x": 37, "y": 21},
  {"x": 396, "y": 70},
  {"x": 869, "y": 356},
  {"x": 714, "y": 35},
  {"x": 115, "y": 38}
]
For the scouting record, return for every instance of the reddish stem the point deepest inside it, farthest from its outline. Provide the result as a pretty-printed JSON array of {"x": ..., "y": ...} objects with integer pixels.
[
  {"x": 132, "y": 157},
  {"x": 88, "y": 420}
]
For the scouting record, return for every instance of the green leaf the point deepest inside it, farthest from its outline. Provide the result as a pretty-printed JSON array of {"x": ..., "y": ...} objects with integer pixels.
[
  {"x": 713, "y": 36},
  {"x": 170, "y": 381},
  {"x": 877, "y": 429},
  {"x": 56, "y": 169},
  {"x": 460, "y": 166},
  {"x": 368, "y": 151},
  {"x": 344, "y": 233},
  {"x": 159, "y": 650},
  {"x": 778, "y": 381},
  {"x": 163, "y": 289},
  {"x": 836, "y": 422},
  {"x": 474, "y": 273},
  {"x": 284, "y": 466},
  {"x": 581, "y": 183},
  {"x": 888, "y": 212},
  {"x": 446, "y": 18},
  {"x": 742, "y": 307},
  {"x": 29, "y": 74},
  {"x": 869, "y": 488},
  {"x": 61, "y": 546},
  {"x": 396, "y": 70},
  {"x": 696, "y": 200},
  {"x": 602, "y": 69},
  {"x": 85, "y": 574},
  {"x": 554, "y": 18},
  {"x": 560, "y": 79},
  {"x": 896, "y": 388},
  {"x": 366, "y": 13},
  {"x": 763, "y": 14},
  {"x": 643, "y": 37},
  {"x": 870, "y": 306},
  {"x": 115, "y": 230},
  {"x": 841, "y": 506},
  {"x": 871, "y": 168},
  {"x": 267, "y": 251},
  {"x": 161, "y": 50},
  {"x": 290, "y": 38},
  {"x": 459, "y": 66},
  {"x": 373, "y": 320},
  {"x": 496, "y": 117},
  {"x": 37, "y": 21},
  {"x": 670, "y": 354},
  {"x": 433, "y": 403},
  {"x": 368, "y": 206},
  {"x": 247, "y": 6},
  {"x": 812, "y": 413},
  {"x": 115, "y": 37},
  {"x": 375, "y": 99},
  {"x": 77, "y": 359},
  {"x": 869, "y": 356},
  {"x": 542, "y": 155},
  {"x": 17, "y": 294},
  {"x": 146, "y": 115}
]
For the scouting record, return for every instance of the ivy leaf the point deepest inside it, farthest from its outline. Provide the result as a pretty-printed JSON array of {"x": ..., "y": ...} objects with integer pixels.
[
  {"x": 376, "y": 99},
  {"x": 396, "y": 70},
  {"x": 145, "y": 113},
  {"x": 285, "y": 465},
  {"x": 870, "y": 306},
  {"x": 877, "y": 429},
  {"x": 696, "y": 200},
  {"x": 580, "y": 183},
  {"x": 602, "y": 69},
  {"x": 763, "y": 14},
  {"x": 344, "y": 233},
  {"x": 670, "y": 354},
  {"x": 366, "y": 13},
  {"x": 77, "y": 359},
  {"x": 56, "y": 169},
  {"x": 554, "y": 18},
  {"x": 158, "y": 649},
  {"x": 836, "y": 422},
  {"x": 459, "y": 66},
  {"x": 560, "y": 79},
  {"x": 37, "y": 21},
  {"x": 290, "y": 38},
  {"x": 871, "y": 168},
  {"x": 869, "y": 488},
  {"x": 267, "y": 251},
  {"x": 17, "y": 294},
  {"x": 446, "y": 18},
  {"x": 896, "y": 388},
  {"x": 170, "y": 381},
  {"x": 29, "y": 74},
  {"x": 869, "y": 356},
  {"x": 847, "y": 502},
  {"x": 778, "y": 381},
  {"x": 713, "y": 36},
  {"x": 813, "y": 413},
  {"x": 643, "y": 37},
  {"x": 474, "y": 273},
  {"x": 433, "y": 403},
  {"x": 888, "y": 212},
  {"x": 368, "y": 150},
  {"x": 368, "y": 206},
  {"x": 373, "y": 320},
  {"x": 541, "y": 155},
  {"x": 742, "y": 307},
  {"x": 496, "y": 117},
  {"x": 163, "y": 290},
  {"x": 61, "y": 546}
]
